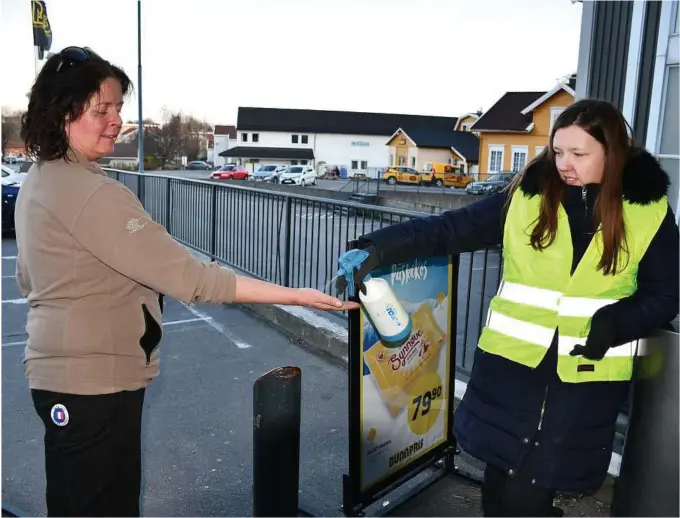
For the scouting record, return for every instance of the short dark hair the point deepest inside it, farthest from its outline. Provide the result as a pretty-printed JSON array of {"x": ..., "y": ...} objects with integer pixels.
[{"x": 60, "y": 90}]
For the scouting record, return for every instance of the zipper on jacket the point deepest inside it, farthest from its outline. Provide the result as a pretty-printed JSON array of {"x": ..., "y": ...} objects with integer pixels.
[
  {"x": 545, "y": 398},
  {"x": 584, "y": 197}
]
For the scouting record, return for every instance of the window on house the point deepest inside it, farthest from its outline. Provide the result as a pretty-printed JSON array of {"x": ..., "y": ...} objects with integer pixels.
[
  {"x": 256, "y": 137},
  {"x": 303, "y": 162},
  {"x": 294, "y": 139},
  {"x": 305, "y": 139},
  {"x": 293, "y": 162},
  {"x": 554, "y": 113},
  {"x": 402, "y": 161},
  {"x": 355, "y": 165},
  {"x": 519, "y": 157},
  {"x": 391, "y": 161},
  {"x": 364, "y": 165},
  {"x": 244, "y": 137},
  {"x": 496, "y": 158},
  {"x": 413, "y": 161}
]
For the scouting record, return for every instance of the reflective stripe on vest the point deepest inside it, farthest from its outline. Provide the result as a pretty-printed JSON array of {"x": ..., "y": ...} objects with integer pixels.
[{"x": 538, "y": 293}]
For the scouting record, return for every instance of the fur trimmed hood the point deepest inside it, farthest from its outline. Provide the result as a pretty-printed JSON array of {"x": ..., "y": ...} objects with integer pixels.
[{"x": 644, "y": 181}]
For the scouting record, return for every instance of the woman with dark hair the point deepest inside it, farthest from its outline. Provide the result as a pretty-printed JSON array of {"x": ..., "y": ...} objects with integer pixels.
[
  {"x": 92, "y": 265},
  {"x": 590, "y": 266}
]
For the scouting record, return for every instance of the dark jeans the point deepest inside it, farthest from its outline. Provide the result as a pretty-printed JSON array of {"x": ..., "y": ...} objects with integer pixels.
[
  {"x": 93, "y": 461},
  {"x": 505, "y": 495}
]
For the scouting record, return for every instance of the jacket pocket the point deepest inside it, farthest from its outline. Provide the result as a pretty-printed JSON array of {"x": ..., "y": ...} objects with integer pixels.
[{"x": 152, "y": 334}]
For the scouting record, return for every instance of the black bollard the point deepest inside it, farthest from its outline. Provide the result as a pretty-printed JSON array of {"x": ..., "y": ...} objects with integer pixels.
[{"x": 276, "y": 442}]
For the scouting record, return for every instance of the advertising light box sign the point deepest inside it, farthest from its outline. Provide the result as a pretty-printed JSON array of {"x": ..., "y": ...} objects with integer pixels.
[{"x": 405, "y": 409}]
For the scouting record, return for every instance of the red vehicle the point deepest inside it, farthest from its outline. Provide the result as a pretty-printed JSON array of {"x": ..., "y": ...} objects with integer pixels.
[{"x": 230, "y": 172}]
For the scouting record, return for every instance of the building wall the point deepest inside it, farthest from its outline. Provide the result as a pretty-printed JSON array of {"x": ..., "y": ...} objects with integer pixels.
[
  {"x": 542, "y": 125},
  {"x": 400, "y": 146},
  {"x": 644, "y": 81},
  {"x": 222, "y": 143},
  {"x": 432, "y": 155},
  {"x": 345, "y": 149},
  {"x": 274, "y": 139}
]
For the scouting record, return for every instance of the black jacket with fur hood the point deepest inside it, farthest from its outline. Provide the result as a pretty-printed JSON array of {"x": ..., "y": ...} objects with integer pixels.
[{"x": 498, "y": 419}]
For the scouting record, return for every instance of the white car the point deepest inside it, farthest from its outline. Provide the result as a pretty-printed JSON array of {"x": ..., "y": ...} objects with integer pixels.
[
  {"x": 298, "y": 175},
  {"x": 10, "y": 176},
  {"x": 268, "y": 173}
]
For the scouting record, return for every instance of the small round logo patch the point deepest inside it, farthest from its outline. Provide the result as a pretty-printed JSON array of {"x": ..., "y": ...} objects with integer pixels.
[{"x": 59, "y": 415}]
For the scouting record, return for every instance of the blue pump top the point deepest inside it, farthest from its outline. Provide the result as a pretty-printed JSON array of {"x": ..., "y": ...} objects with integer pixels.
[{"x": 348, "y": 262}]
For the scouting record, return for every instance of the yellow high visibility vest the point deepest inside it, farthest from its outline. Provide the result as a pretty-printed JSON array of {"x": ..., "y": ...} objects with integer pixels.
[{"x": 538, "y": 294}]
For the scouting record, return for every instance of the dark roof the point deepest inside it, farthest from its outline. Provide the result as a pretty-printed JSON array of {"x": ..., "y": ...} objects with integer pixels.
[
  {"x": 506, "y": 114},
  {"x": 285, "y": 153},
  {"x": 346, "y": 123},
  {"x": 466, "y": 143},
  {"x": 572, "y": 82},
  {"x": 225, "y": 130}
]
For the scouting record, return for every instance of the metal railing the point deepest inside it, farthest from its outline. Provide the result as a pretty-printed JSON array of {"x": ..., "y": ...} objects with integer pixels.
[{"x": 294, "y": 239}]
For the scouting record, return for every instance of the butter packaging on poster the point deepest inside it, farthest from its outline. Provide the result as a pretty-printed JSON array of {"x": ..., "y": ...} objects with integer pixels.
[{"x": 395, "y": 369}]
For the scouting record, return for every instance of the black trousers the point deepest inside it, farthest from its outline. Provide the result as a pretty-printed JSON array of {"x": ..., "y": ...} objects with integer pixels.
[
  {"x": 92, "y": 452},
  {"x": 505, "y": 495}
]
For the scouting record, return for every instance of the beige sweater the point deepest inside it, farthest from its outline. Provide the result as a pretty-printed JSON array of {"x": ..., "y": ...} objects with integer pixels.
[{"x": 91, "y": 264}]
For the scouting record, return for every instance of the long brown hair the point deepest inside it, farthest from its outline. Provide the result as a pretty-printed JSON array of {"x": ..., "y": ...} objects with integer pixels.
[{"x": 603, "y": 122}]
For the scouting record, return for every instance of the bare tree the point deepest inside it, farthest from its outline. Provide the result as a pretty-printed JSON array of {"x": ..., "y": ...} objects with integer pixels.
[
  {"x": 11, "y": 126},
  {"x": 193, "y": 136},
  {"x": 167, "y": 139}
]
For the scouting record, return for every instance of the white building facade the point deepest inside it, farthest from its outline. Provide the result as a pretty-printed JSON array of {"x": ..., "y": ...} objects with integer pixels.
[
  {"x": 224, "y": 139},
  {"x": 323, "y": 139}
]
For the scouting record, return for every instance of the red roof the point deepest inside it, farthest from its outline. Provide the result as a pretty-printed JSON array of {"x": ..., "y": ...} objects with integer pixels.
[{"x": 225, "y": 130}]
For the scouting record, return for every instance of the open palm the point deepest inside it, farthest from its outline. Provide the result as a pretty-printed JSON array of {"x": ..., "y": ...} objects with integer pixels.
[{"x": 317, "y": 299}]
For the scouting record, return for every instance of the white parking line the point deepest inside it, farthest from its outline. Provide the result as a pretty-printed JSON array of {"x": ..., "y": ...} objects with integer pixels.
[
  {"x": 205, "y": 319},
  {"x": 8, "y": 276},
  {"x": 218, "y": 327},
  {"x": 14, "y": 301},
  {"x": 9, "y": 256}
]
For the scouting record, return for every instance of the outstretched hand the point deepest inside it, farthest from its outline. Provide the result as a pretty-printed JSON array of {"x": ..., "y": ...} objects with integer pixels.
[{"x": 318, "y": 300}]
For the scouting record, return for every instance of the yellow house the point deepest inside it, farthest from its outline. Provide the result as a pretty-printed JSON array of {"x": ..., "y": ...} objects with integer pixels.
[
  {"x": 517, "y": 128},
  {"x": 467, "y": 121},
  {"x": 415, "y": 147}
]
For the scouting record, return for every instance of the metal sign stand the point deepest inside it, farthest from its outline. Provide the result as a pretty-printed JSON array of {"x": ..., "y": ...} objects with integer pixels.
[{"x": 440, "y": 458}]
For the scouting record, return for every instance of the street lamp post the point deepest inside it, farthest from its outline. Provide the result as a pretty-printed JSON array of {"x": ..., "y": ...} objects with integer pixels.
[{"x": 140, "y": 126}]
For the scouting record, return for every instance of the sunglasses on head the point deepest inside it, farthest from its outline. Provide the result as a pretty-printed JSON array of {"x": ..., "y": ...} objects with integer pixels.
[{"x": 72, "y": 55}]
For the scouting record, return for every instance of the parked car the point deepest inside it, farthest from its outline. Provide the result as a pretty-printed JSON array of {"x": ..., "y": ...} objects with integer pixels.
[
  {"x": 269, "y": 173},
  {"x": 10, "y": 176},
  {"x": 199, "y": 165},
  {"x": 495, "y": 183},
  {"x": 401, "y": 174},
  {"x": 230, "y": 172},
  {"x": 299, "y": 175},
  {"x": 10, "y": 191}
]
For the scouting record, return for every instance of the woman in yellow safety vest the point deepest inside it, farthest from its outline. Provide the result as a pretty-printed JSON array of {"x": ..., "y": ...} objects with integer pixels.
[{"x": 590, "y": 266}]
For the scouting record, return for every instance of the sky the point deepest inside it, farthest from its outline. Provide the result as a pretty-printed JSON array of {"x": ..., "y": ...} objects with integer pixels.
[{"x": 208, "y": 57}]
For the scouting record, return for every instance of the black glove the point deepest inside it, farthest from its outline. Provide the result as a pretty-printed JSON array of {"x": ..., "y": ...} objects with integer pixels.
[
  {"x": 369, "y": 264},
  {"x": 602, "y": 335}
]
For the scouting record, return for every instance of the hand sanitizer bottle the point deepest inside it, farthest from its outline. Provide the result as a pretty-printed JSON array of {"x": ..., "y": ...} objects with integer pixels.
[{"x": 388, "y": 316}]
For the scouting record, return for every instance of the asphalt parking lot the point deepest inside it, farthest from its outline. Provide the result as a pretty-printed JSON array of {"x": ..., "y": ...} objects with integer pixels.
[
  {"x": 198, "y": 413},
  {"x": 197, "y": 443}
]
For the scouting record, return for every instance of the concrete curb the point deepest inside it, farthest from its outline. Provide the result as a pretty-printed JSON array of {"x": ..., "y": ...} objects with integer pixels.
[{"x": 307, "y": 326}]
